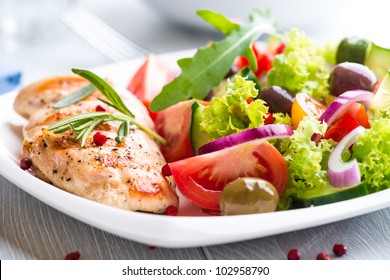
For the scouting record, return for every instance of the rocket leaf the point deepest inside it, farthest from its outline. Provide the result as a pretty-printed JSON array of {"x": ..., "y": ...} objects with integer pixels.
[{"x": 210, "y": 64}]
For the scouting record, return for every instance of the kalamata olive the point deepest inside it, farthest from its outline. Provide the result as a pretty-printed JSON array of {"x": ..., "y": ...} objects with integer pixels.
[
  {"x": 278, "y": 99},
  {"x": 349, "y": 76},
  {"x": 248, "y": 196}
]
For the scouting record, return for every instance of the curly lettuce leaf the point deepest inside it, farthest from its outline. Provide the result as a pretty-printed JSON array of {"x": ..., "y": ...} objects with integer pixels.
[
  {"x": 372, "y": 151},
  {"x": 306, "y": 162},
  {"x": 329, "y": 51},
  {"x": 301, "y": 67},
  {"x": 231, "y": 113},
  {"x": 281, "y": 118}
]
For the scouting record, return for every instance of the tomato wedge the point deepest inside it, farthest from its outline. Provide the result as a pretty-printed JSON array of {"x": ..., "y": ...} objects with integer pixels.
[
  {"x": 341, "y": 127},
  {"x": 201, "y": 178},
  {"x": 149, "y": 80},
  {"x": 354, "y": 116},
  {"x": 173, "y": 124},
  {"x": 305, "y": 105},
  {"x": 358, "y": 111}
]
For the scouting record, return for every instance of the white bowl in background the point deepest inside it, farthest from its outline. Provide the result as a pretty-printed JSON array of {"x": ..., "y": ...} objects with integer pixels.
[
  {"x": 293, "y": 13},
  {"x": 322, "y": 19}
]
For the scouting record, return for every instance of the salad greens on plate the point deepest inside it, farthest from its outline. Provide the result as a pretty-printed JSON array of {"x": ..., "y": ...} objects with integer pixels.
[{"x": 253, "y": 127}]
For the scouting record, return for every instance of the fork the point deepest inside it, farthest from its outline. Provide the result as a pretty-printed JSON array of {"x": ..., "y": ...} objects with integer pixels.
[{"x": 101, "y": 36}]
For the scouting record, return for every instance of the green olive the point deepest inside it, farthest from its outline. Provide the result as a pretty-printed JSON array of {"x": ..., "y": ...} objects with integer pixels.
[{"x": 248, "y": 196}]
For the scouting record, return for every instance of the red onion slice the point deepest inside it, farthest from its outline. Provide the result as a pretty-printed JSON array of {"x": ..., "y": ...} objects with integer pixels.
[
  {"x": 338, "y": 107},
  {"x": 340, "y": 173},
  {"x": 268, "y": 131}
]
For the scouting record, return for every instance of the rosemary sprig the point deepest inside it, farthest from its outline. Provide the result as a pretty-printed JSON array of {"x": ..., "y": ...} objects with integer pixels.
[
  {"x": 106, "y": 90},
  {"x": 83, "y": 124},
  {"x": 75, "y": 97}
]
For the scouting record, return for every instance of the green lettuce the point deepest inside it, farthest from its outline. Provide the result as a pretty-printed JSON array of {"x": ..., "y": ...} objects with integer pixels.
[
  {"x": 231, "y": 113},
  {"x": 306, "y": 162},
  {"x": 281, "y": 118},
  {"x": 301, "y": 67},
  {"x": 372, "y": 150}
]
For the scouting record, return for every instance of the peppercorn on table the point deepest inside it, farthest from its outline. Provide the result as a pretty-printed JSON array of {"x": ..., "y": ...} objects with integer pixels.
[{"x": 30, "y": 229}]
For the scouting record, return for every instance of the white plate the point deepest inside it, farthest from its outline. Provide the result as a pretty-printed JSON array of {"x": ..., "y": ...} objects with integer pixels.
[{"x": 188, "y": 230}]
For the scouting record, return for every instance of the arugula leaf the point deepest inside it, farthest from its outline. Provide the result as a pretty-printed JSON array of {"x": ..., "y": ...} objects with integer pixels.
[
  {"x": 226, "y": 26},
  {"x": 210, "y": 64},
  {"x": 219, "y": 21}
]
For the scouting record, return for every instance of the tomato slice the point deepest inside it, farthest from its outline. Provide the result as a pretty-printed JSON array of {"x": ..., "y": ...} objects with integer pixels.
[
  {"x": 305, "y": 105},
  {"x": 358, "y": 111},
  {"x": 354, "y": 116},
  {"x": 341, "y": 127},
  {"x": 202, "y": 178},
  {"x": 173, "y": 124},
  {"x": 149, "y": 80}
]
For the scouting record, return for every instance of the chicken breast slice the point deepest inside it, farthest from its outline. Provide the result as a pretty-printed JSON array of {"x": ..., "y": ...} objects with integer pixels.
[{"x": 126, "y": 175}]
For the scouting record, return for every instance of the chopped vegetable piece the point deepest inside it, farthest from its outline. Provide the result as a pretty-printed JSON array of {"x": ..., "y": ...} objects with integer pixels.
[
  {"x": 341, "y": 127},
  {"x": 339, "y": 106},
  {"x": 305, "y": 105},
  {"x": 149, "y": 80},
  {"x": 344, "y": 174},
  {"x": 269, "y": 131},
  {"x": 173, "y": 124}
]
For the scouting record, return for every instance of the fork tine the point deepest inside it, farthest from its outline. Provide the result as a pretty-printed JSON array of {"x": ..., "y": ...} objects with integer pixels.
[{"x": 100, "y": 35}]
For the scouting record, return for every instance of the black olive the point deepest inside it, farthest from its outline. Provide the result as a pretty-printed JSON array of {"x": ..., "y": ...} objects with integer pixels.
[
  {"x": 278, "y": 99},
  {"x": 350, "y": 76}
]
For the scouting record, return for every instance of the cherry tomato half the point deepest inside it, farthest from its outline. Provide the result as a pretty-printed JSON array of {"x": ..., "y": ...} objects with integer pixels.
[
  {"x": 341, "y": 127},
  {"x": 305, "y": 105}
]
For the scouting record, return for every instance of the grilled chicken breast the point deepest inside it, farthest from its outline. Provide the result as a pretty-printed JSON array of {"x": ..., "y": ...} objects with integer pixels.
[{"x": 126, "y": 175}]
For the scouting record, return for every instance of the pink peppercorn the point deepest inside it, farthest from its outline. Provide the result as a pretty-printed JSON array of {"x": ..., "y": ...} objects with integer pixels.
[
  {"x": 293, "y": 254},
  {"x": 166, "y": 171},
  {"x": 339, "y": 249},
  {"x": 322, "y": 256},
  {"x": 171, "y": 210},
  {"x": 73, "y": 256},
  {"x": 25, "y": 163},
  {"x": 100, "y": 108},
  {"x": 99, "y": 139}
]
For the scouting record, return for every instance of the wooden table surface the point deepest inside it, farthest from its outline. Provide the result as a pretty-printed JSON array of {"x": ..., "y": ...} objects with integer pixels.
[{"x": 29, "y": 229}]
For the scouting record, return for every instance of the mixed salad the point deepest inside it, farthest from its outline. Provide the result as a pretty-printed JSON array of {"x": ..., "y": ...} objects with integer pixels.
[
  {"x": 253, "y": 127},
  {"x": 285, "y": 124}
]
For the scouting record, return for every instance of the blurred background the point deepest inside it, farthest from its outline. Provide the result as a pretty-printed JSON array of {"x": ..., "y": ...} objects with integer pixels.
[{"x": 35, "y": 39}]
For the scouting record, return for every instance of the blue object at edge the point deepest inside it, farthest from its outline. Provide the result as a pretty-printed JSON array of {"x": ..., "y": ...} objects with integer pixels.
[{"x": 9, "y": 78}]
